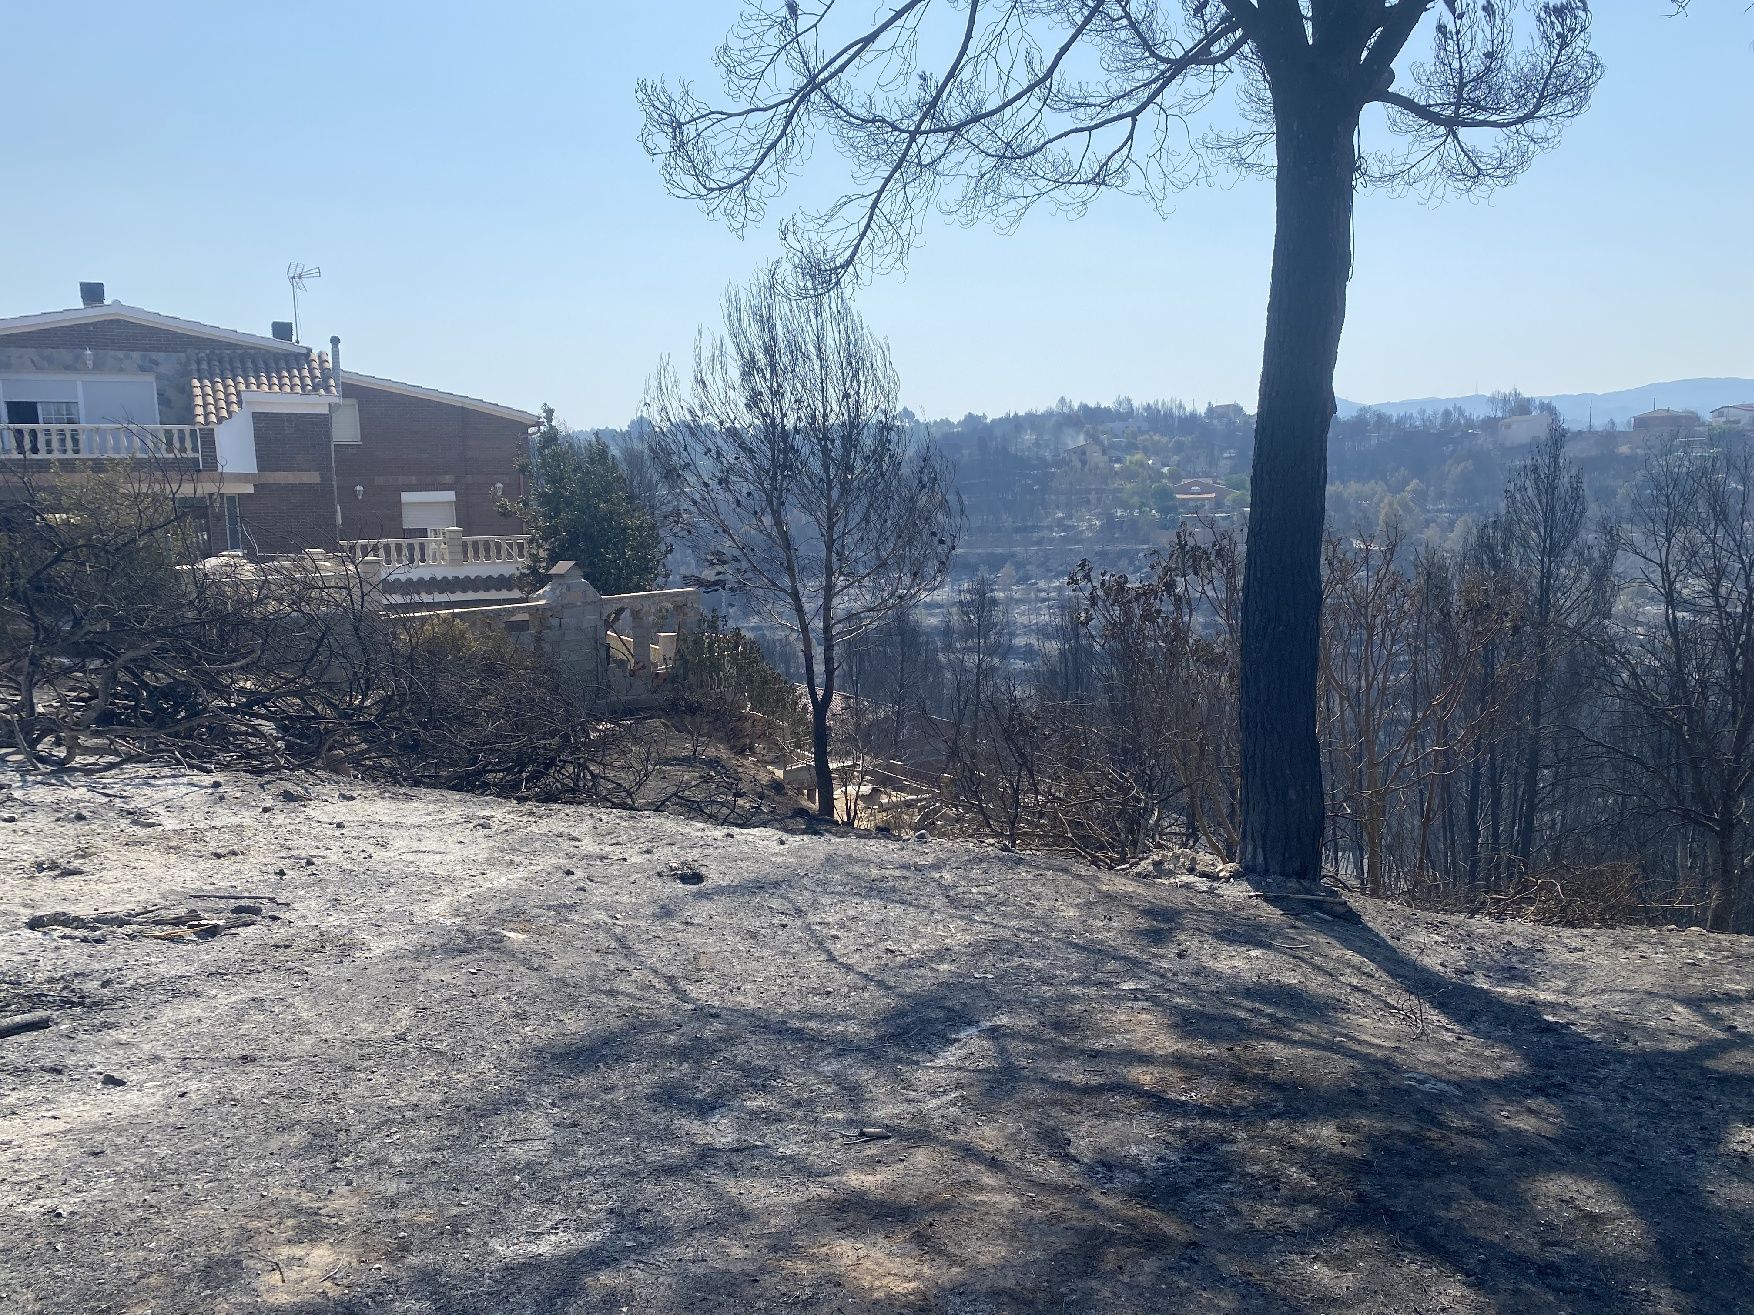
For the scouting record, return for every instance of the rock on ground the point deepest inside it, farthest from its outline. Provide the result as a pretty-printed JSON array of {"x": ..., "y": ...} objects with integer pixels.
[{"x": 467, "y": 1056}]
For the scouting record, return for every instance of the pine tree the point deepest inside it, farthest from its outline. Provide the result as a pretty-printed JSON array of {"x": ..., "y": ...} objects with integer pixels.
[{"x": 580, "y": 508}]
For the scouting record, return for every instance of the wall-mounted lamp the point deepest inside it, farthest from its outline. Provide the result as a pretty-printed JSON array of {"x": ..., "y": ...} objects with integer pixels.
[
  {"x": 89, "y": 358},
  {"x": 499, "y": 489},
  {"x": 359, "y": 491}
]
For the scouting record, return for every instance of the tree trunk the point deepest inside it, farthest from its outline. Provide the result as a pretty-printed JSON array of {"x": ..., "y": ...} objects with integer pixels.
[
  {"x": 821, "y": 699},
  {"x": 1282, "y": 802},
  {"x": 1531, "y": 787},
  {"x": 1721, "y": 909},
  {"x": 1488, "y": 662},
  {"x": 819, "y": 711},
  {"x": 819, "y": 757},
  {"x": 1495, "y": 819}
]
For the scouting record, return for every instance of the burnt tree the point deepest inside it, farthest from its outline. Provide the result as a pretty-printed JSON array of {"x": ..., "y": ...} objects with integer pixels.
[
  {"x": 985, "y": 107},
  {"x": 1679, "y": 658},
  {"x": 793, "y": 476}
]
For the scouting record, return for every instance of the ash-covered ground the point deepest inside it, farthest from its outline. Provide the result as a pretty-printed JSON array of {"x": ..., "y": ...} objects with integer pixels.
[{"x": 319, "y": 1046}]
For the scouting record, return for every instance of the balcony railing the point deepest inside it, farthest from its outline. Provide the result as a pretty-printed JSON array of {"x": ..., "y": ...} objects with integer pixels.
[
  {"x": 99, "y": 442},
  {"x": 446, "y": 550},
  {"x": 496, "y": 548}
]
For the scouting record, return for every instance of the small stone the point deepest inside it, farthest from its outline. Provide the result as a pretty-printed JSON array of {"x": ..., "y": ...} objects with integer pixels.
[
  {"x": 922, "y": 835},
  {"x": 79, "y": 815},
  {"x": 1435, "y": 1086},
  {"x": 111, "y": 1080},
  {"x": 8, "y": 817},
  {"x": 685, "y": 873},
  {"x": 291, "y": 796},
  {"x": 874, "y": 1134}
]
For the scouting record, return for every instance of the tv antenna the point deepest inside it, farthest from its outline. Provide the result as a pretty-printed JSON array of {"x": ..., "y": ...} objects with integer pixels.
[{"x": 296, "y": 275}]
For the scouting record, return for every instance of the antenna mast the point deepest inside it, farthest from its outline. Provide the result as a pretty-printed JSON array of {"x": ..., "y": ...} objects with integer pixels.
[{"x": 296, "y": 274}]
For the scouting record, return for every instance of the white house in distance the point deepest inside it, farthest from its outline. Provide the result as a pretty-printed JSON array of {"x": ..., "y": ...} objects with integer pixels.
[
  {"x": 1739, "y": 415},
  {"x": 1517, "y": 431},
  {"x": 1200, "y": 492}
]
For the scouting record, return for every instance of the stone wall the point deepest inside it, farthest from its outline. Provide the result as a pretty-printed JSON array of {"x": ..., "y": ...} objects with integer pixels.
[
  {"x": 619, "y": 647},
  {"x": 170, "y": 368}
]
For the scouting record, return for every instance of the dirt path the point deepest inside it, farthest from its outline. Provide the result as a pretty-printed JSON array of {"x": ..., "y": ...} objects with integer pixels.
[{"x": 468, "y": 1057}]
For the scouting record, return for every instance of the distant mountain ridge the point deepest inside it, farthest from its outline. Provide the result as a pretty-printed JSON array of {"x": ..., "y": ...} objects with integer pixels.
[{"x": 1578, "y": 409}]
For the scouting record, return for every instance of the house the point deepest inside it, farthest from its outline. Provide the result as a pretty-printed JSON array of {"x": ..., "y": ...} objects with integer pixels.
[
  {"x": 1739, "y": 415},
  {"x": 1090, "y": 454},
  {"x": 1200, "y": 492},
  {"x": 1518, "y": 431},
  {"x": 272, "y": 445},
  {"x": 1229, "y": 412},
  {"x": 1663, "y": 418}
]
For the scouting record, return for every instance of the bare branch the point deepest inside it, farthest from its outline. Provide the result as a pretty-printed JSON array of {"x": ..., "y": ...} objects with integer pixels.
[{"x": 1002, "y": 104}]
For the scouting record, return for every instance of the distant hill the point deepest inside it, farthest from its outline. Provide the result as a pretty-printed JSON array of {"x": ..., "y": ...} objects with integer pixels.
[{"x": 1701, "y": 395}]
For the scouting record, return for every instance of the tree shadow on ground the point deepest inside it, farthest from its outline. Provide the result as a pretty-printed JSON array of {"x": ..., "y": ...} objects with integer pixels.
[
  {"x": 1209, "y": 1111},
  {"x": 1647, "y": 1127}
]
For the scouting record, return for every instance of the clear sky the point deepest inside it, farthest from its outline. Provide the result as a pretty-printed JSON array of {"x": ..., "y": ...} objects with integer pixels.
[{"x": 469, "y": 180}]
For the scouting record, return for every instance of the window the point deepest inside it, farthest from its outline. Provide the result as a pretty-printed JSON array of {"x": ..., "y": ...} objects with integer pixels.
[
  {"x": 62, "y": 400},
  {"x": 428, "y": 515},
  {"x": 31, "y": 415},
  {"x": 119, "y": 401},
  {"x": 42, "y": 413},
  {"x": 234, "y": 524}
]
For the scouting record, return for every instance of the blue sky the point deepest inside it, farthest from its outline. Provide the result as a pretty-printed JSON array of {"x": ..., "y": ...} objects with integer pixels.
[{"x": 468, "y": 178}]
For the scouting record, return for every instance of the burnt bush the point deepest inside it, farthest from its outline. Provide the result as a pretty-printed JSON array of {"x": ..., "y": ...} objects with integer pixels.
[
  {"x": 723, "y": 682},
  {"x": 120, "y": 641}
]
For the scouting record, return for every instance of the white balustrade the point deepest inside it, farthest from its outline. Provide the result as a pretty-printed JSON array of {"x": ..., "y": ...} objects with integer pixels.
[
  {"x": 99, "y": 442},
  {"x": 496, "y": 548},
  {"x": 475, "y": 550}
]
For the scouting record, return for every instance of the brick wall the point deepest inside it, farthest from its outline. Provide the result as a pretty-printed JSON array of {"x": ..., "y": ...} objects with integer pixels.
[
  {"x": 288, "y": 517},
  {"x": 415, "y": 444}
]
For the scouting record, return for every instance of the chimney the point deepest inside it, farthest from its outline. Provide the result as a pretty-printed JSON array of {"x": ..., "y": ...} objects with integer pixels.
[
  {"x": 91, "y": 294},
  {"x": 281, "y": 329},
  {"x": 335, "y": 360}
]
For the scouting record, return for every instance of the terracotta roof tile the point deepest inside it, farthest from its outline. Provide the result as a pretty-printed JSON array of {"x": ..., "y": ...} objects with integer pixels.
[{"x": 221, "y": 378}]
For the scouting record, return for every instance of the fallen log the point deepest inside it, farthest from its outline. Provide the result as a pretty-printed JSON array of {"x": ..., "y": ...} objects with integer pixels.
[{"x": 24, "y": 1023}]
